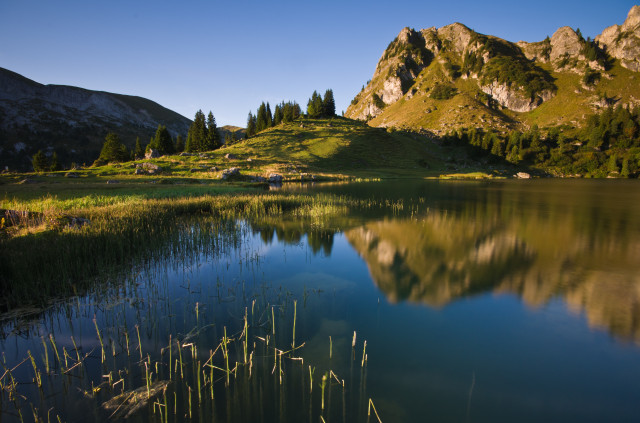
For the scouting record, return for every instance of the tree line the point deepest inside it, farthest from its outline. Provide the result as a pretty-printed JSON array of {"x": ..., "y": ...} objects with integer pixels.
[
  {"x": 608, "y": 145},
  {"x": 285, "y": 112}
]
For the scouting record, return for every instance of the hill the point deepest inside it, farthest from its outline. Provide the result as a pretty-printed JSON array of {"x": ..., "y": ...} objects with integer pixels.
[
  {"x": 438, "y": 80},
  {"x": 72, "y": 121}
]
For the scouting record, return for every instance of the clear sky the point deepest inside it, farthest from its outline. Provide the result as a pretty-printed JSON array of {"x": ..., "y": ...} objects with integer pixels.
[{"x": 229, "y": 56}]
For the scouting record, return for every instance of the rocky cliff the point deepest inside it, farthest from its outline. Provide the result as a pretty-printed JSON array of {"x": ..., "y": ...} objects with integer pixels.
[
  {"x": 438, "y": 79},
  {"x": 623, "y": 42},
  {"x": 72, "y": 121}
]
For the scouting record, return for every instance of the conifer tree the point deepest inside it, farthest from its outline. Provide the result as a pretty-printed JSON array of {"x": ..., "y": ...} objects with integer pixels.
[
  {"x": 277, "y": 115},
  {"x": 251, "y": 125},
  {"x": 269, "y": 116},
  {"x": 112, "y": 150},
  {"x": 328, "y": 104},
  {"x": 138, "y": 152},
  {"x": 54, "y": 165},
  {"x": 179, "y": 144},
  {"x": 40, "y": 162},
  {"x": 197, "y": 134},
  {"x": 261, "y": 122},
  {"x": 213, "y": 138},
  {"x": 162, "y": 141}
]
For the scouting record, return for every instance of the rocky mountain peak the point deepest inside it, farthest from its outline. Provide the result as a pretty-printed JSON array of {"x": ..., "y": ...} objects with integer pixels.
[
  {"x": 623, "y": 42},
  {"x": 633, "y": 19},
  {"x": 565, "y": 41}
]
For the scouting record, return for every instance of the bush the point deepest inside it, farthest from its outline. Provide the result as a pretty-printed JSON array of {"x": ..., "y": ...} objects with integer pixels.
[{"x": 443, "y": 91}]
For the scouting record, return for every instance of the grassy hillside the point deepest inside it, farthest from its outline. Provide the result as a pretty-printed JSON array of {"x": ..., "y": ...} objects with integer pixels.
[{"x": 308, "y": 149}]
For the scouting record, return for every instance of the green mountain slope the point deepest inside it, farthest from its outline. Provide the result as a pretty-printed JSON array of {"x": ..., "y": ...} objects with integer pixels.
[{"x": 438, "y": 80}]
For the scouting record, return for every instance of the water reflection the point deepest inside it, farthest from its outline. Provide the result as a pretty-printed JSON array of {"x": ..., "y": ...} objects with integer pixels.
[{"x": 578, "y": 241}]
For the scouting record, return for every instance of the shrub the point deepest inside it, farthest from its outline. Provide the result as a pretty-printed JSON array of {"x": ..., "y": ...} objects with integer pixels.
[{"x": 443, "y": 91}]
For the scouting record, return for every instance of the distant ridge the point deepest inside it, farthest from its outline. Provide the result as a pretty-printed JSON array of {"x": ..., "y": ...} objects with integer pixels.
[{"x": 72, "y": 121}]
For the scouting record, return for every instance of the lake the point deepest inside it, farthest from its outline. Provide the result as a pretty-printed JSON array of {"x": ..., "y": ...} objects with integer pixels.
[{"x": 488, "y": 301}]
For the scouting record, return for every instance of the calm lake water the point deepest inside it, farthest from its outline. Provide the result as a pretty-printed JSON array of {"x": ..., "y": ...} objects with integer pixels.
[{"x": 492, "y": 301}]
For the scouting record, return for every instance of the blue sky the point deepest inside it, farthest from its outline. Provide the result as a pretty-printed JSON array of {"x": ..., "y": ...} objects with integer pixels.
[{"x": 230, "y": 56}]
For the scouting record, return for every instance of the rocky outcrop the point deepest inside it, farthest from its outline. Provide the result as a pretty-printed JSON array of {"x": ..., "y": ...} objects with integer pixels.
[
  {"x": 514, "y": 99},
  {"x": 564, "y": 42},
  {"x": 232, "y": 172},
  {"x": 623, "y": 41},
  {"x": 152, "y": 154}
]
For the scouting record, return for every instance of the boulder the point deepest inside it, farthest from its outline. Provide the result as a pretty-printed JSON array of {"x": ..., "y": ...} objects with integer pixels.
[
  {"x": 523, "y": 175},
  {"x": 151, "y": 168},
  {"x": 260, "y": 179},
  {"x": 152, "y": 154},
  {"x": 214, "y": 168},
  {"x": 232, "y": 172},
  {"x": 70, "y": 175},
  {"x": 230, "y": 156},
  {"x": 194, "y": 170},
  {"x": 274, "y": 178},
  {"x": 138, "y": 171},
  {"x": 185, "y": 154}
]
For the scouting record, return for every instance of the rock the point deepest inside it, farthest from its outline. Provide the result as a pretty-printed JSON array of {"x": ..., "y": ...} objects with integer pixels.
[
  {"x": 138, "y": 171},
  {"x": 203, "y": 156},
  {"x": 152, "y": 154},
  {"x": 151, "y": 168},
  {"x": 113, "y": 181},
  {"x": 258, "y": 179},
  {"x": 26, "y": 181},
  {"x": 232, "y": 172},
  {"x": 194, "y": 170},
  {"x": 214, "y": 169},
  {"x": 274, "y": 178},
  {"x": 70, "y": 175},
  {"x": 185, "y": 154},
  {"x": 623, "y": 42},
  {"x": 230, "y": 156},
  {"x": 564, "y": 41},
  {"x": 513, "y": 99},
  {"x": 78, "y": 222},
  {"x": 249, "y": 159},
  {"x": 523, "y": 175}
]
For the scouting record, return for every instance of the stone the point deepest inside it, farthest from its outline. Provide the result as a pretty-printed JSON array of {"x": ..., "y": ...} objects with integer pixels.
[
  {"x": 151, "y": 168},
  {"x": 513, "y": 99},
  {"x": 258, "y": 179},
  {"x": 185, "y": 154},
  {"x": 565, "y": 41},
  {"x": 232, "y": 172},
  {"x": 523, "y": 175},
  {"x": 113, "y": 181},
  {"x": 71, "y": 175},
  {"x": 138, "y": 171},
  {"x": 214, "y": 169},
  {"x": 275, "y": 178},
  {"x": 152, "y": 154},
  {"x": 194, "y": 170},
  {"x": 623, "y": 42},
  {"x": 230, "y": 156}
]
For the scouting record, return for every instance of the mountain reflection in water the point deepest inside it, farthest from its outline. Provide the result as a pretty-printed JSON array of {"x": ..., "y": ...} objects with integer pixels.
[{"x": 578, "y": 242}]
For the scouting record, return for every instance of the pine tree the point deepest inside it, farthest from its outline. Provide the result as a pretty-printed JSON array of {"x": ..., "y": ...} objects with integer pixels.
[
  {"x": 112, "y": 150},
  {"x": 277, "y": 115},
  {"x": 162, "y": 141},
  {"x": 54, "y": 165},
  {"x": 196, "y": 137},
  {"x": 212, "y": 140},
  {"x": 251, "y": 125},
  {"x": 179, "y": 144},
  {"x": 40, "y": 162},
  {"x": 269, "y": 116},
  {"x": 261, "y": 122},
  {"x": 138, "y": 151},
  {"x": 328, "y": 104}
]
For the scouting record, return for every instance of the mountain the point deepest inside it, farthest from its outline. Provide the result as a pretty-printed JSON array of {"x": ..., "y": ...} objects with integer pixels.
[
  {"x": 439, "y": 79},
  {"x": 72, "y": 121}
]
